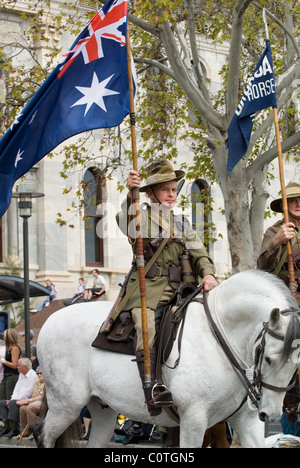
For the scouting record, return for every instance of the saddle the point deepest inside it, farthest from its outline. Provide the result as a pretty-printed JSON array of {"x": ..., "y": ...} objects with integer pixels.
[{"x": 122, "y": 337}]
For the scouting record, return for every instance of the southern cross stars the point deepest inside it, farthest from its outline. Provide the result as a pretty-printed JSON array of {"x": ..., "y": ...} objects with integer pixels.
[
  {"x": 94, "y": 94},
  {"x": 18, "y": 158}
]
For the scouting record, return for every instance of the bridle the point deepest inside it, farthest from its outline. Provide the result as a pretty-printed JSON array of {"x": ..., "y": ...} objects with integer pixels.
[
  {"x": 251, "y": 379},
  {"x": 260, "y": 355}
]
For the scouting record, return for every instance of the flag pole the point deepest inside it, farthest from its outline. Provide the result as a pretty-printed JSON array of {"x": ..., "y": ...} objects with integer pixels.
[
  {"x": 290, "y": 257},
  {"x": 291, "y": 266},
  {"x": 139, "y": 241}
]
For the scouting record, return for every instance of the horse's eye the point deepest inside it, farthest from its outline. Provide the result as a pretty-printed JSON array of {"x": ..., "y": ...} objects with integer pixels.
[{"x": 268, "y": 360}]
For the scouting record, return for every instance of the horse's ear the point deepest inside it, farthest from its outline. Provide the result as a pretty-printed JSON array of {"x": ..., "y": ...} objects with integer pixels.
[{"x": 275, "y": 318}]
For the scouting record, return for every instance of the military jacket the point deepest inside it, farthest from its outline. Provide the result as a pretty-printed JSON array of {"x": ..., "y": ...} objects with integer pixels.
[
  {"x": 269, "y": 256},
  {"x": 154, "y": 224}
]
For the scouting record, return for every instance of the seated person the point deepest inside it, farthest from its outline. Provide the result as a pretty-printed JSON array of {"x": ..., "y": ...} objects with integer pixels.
[
  {"x": 30, "y": 408},
  {"x": 53, "y": 295},
  {"x": 98, "y": 288},
  {"x": 9, "y": 409},
  {"x": 78, "y": 294}
]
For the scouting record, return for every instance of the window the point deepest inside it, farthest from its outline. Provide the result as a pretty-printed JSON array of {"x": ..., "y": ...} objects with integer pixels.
[
  {"x": 92, "y": 199},
  {"x": 200, "y": 198}
]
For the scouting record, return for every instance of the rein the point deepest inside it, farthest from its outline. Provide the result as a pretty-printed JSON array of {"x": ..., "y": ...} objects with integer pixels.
[{"x": 251, "y": 379}]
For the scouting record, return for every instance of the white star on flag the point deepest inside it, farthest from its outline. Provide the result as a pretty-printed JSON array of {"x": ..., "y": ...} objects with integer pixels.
[
  {"x": 16, "y": 122},
  {"x": 94, "y": 94},
  {"x": 18, "y": 158}
]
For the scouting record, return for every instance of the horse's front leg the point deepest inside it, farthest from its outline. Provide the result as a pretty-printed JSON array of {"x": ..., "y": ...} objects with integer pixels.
[
  {"x": 250, "y": 429},
  {"x": 193, "y": 424}
]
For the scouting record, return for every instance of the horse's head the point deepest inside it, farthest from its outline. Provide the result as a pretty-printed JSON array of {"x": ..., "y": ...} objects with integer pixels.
[{"x": 276, "y": 361}]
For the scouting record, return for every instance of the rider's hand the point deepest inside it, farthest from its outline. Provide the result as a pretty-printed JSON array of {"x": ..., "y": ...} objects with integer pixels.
[
  {"x": 286, "y": 233},
  {"x": 134, "y": 180},
  {"x": 209, "y": 282}
]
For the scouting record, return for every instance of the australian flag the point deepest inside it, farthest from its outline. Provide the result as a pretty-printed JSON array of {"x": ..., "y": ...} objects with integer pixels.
[
  {"x": 260, "y": 94},
  {"x": 88, "y": 90}
]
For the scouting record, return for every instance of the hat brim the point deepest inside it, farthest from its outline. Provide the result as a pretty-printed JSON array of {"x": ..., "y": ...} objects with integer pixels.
[
  {"x": 163, "y": 178},
  {"x": 276, "y": 205}
]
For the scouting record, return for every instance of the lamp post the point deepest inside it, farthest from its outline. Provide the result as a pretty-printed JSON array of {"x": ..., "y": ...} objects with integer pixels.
[{"x": 25, "y": 212}]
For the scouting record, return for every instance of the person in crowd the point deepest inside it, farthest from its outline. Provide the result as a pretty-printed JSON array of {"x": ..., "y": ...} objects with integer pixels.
[
  {"x": 30, "y": 407},
  {"x": 9, "y": 362},
  {"x": 9, "y": 409},
  {"x": 79, "y": 293},
  {"x": 33, "y": 351},
  {"x": 99, "y": 287},
  {"x": 53, "y": 294},
  {"x": 159, "y": 222},
  {"x": 273, "y": 256}
]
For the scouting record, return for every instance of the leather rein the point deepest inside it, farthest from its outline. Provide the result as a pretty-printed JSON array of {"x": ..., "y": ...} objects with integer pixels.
[{"x": 251, "y": 379}]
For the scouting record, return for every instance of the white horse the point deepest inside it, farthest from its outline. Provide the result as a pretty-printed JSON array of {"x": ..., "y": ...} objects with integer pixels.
[{"x": 205, "y": 388}]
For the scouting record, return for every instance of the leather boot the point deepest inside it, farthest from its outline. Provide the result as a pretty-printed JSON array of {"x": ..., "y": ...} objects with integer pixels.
[{"x": 157, "y": 394}]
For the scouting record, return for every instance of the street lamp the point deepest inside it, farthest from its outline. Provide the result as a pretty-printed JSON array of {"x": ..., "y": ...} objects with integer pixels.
[{"x": 25, "y": 212}]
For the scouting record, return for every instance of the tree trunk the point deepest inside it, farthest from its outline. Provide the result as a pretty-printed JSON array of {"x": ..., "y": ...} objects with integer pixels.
[{"x": 237, "y": 208}]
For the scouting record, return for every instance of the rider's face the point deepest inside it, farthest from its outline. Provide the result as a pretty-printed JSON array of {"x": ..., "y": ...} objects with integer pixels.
[
  {"x": 294, "y": 206},
  {"x": 165, "y": 193}
]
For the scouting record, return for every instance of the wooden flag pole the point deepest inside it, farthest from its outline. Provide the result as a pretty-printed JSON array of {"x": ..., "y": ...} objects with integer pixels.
[
  {"x": 290, "y": 257},
  {"x": 139, "y": 241}
]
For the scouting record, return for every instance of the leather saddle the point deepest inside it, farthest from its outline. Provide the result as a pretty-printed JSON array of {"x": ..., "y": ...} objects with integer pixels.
[{"x": 122, "y": 337}]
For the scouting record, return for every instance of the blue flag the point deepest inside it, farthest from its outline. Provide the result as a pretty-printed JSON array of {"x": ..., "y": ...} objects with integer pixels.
[
  {"x": 260, "y": 94},
  {"x": 88, "y": 90}
]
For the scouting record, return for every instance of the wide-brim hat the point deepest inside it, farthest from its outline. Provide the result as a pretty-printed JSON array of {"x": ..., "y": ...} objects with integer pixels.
[
  {"x": 161, "y": 171},
  {"x": 292, "y": 191}
]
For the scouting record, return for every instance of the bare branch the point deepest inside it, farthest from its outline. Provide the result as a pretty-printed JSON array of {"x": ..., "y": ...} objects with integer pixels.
[
  {"x": 183, "y": 79},
  {"x": 271, "y": 154}
]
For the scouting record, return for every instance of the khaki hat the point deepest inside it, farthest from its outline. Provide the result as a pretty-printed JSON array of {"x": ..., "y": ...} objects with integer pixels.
[
  {"x": 292, "y": 191},
  {"x": 161, "y": 171}
]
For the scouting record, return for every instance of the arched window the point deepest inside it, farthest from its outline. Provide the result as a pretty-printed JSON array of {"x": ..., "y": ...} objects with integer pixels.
[
  {"x": 200, "y": 198},
  {"x": 92, "y": 200}
]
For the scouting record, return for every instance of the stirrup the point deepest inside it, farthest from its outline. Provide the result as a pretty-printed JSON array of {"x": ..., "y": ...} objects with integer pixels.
[{"x": 163, "y": 397}]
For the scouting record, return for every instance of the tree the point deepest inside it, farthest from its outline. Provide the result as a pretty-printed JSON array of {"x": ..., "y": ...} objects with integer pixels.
[
  {"x": 177, "y": 26},
  {"x": 166, "y": 41}
]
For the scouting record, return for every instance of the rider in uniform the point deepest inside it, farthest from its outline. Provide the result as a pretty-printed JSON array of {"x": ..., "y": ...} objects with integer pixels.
[
  {"x": 164, "y": 277},
  {"x": 273, "y": 254}
]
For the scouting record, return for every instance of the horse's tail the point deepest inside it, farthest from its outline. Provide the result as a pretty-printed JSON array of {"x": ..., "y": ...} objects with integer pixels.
[
  {"x": 37, "y": 429},
  {"x": 172, "y": 440},
  {"x": 67, "y": 439}
]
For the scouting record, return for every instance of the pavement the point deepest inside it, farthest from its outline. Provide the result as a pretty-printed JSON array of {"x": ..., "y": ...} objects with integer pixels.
[
  {"x": 25, "y": 443},
  {"x": 274, "y": 428}
]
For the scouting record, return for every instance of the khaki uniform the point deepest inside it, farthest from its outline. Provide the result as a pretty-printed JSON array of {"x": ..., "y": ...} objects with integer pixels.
[
  {"x": 160, "y": 288},
  {"x": 270, "y": 257}
]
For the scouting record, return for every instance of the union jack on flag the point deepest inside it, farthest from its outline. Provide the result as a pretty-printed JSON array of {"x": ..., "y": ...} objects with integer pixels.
[
  {"x": 102, "y": 26},
  {"x": 89, "y": 89}
]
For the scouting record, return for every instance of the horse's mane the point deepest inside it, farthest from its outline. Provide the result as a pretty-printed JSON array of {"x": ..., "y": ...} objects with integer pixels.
[
  {"x": 266, "y": 282},
  {"x": 270, "y": 287},
  {"x": 292, "y": 338},
  {"x": 293, "y": 330}
]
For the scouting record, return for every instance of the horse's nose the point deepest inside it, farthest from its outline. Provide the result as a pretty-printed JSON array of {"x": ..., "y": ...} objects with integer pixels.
[{"x": 263, "y": 417}]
